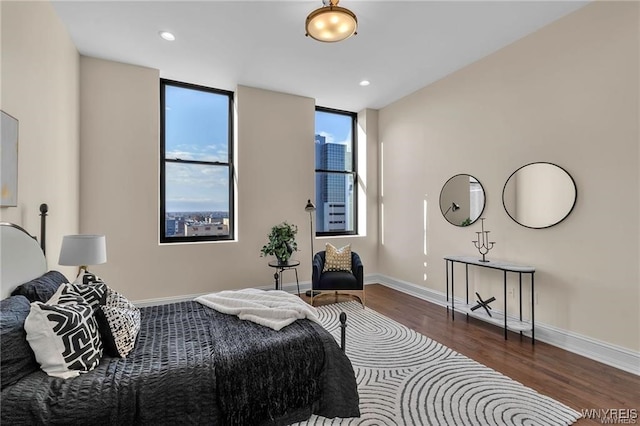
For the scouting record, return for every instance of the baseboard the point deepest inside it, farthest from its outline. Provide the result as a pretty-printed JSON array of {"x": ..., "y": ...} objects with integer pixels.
[
  {"x": 175, "y": 299},
  {"x": 288, "y": 287},
  {"x": 603, "y": 352},
  {"x": 606, "y": 353}
]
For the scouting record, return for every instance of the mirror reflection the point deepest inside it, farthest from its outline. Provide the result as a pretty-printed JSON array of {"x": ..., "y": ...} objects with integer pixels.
[
  {"x": 539, "y": 195},
  {"x": 462, "y": 200}
]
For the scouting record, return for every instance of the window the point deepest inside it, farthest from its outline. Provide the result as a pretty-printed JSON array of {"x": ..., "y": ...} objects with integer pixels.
[
  {"x": 336, "y": 177},
  {"x": 196, "y": 163}
]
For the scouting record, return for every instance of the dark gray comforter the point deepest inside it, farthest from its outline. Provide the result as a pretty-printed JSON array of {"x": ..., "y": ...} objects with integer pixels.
[{"x": 193, "y": 365}]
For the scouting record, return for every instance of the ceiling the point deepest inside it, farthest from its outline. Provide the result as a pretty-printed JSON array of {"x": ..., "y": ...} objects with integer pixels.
[{"x": 400, "y": 47}]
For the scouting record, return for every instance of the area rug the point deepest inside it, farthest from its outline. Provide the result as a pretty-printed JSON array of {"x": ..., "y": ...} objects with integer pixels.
[{"x": 405, "y": 378}]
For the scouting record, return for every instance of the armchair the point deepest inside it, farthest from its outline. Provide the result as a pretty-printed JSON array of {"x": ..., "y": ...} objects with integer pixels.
[{"x": 348, "y": 282}]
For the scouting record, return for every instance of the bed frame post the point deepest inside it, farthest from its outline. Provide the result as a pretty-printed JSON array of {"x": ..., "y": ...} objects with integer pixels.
[
  {"x": 43, "y": 226},
  {"x": 343, "y": 329}
]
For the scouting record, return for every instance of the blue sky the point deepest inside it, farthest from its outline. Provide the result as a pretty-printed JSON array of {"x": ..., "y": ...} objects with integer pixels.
[
  {"x": 335, "y": 127},
  {"x": 196, "y": 129},
  {"x": 197, "y": 124}
]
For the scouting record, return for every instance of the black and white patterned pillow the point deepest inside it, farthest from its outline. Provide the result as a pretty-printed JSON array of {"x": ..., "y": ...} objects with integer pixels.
[
  {"x": 119, "y": 323},
  {"x": 64, "y": 338},
  {"x": 87, "y": 287}
]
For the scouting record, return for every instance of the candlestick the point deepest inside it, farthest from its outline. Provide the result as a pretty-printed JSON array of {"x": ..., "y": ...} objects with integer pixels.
[{"x": 482, "y": 243}]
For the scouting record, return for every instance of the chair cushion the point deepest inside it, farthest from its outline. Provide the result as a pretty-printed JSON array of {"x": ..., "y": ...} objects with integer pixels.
[
  {"x": 337, "y": 259},
  {"x": 338, "y": 280}
]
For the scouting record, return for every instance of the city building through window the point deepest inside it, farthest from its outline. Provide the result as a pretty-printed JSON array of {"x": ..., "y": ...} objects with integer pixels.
[
  {"x": 336, "y": 177},
  {"x": 196, "y": 163}
]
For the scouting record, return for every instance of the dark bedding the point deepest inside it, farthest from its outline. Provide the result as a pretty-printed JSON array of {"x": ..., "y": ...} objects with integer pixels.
[{"x": 193, "y": 365}]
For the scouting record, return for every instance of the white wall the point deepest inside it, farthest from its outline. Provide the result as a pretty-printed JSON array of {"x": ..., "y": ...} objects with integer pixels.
[
  {"x": 39, "y": 87},
  {"x": 567, "y": 94},
  {"x": 120, "y": 179}
]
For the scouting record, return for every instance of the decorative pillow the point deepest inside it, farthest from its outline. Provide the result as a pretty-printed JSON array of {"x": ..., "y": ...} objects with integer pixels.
[
  {"x": 86, "y": 277},
  {"x": 119, "y": 323},
  {"x": 337, "y": 259},
  {"x": 64, "y": 338},
  {"x": 42, "y": 288},
  {"x": 87, "y": 287},
  {"x": 16, "y": 357}
]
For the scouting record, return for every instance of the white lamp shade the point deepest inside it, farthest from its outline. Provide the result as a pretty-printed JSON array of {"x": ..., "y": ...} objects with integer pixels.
[{"x": 83, "y": 250}]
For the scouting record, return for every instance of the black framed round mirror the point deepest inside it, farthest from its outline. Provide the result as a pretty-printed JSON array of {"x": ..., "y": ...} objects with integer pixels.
[
  {"x": 462, "y": 200},
  {"x": 539, "y": 195}
]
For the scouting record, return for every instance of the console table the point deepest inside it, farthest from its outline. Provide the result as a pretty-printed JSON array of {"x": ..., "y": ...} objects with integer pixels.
[{"x": 497, "y": 318}]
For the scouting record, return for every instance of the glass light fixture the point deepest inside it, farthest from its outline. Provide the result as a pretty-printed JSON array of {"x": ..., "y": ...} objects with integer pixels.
[
  {"x": 331, "y": 23},
  {"x": 167, "y": 35}
]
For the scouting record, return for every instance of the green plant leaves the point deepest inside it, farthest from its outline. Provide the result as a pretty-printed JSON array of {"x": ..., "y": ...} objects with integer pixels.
[{"x": 282, "y": 242}]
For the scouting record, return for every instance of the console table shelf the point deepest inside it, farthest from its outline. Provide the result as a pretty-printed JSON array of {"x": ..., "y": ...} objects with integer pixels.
[
  {"x": 497, "y": 318},
  {"x": 500, "y": 319}
]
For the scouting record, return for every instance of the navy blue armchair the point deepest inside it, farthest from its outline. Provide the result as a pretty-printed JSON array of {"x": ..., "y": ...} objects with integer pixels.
[{"x": 337, "y": 281}]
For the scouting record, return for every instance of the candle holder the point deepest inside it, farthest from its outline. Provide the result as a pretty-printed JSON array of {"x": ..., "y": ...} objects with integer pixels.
[{"x": 482, "y": 243}]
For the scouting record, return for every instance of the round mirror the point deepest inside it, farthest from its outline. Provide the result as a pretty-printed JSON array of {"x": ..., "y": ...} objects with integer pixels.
[
  {"x": 539, "y": 195},
  {"x": 462, "y": 200}
]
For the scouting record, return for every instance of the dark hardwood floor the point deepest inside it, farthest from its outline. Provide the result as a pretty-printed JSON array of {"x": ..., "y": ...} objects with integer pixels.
[{"x": 576, "y": 381}]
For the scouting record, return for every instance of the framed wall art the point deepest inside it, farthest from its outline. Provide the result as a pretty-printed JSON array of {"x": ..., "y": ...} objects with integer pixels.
[{"x": 8, "y": 160}]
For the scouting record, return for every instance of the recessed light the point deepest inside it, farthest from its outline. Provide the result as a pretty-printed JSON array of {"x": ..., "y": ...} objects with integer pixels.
[
  {"x": 365, "y": 83},
  {"x": 167, "y": 35}
]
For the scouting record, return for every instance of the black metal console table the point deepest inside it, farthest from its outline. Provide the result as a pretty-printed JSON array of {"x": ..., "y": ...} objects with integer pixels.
[{"x": 497, "y": 318}]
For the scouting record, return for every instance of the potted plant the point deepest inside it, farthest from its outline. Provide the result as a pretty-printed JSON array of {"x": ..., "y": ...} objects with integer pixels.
[{"x": 282, "y": 242}]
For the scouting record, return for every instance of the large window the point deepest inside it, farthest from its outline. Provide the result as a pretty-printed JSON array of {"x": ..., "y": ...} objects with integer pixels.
[
  {"x": 196, "y": 163},
  {"x": 336, "y": 177}
]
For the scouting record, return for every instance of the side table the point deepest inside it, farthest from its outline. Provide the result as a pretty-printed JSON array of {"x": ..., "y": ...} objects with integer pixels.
[{"x": 281, "y": 267}]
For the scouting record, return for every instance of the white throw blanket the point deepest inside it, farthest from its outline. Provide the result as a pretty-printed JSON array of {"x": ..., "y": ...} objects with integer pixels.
[{"x": 275, "y": 308}]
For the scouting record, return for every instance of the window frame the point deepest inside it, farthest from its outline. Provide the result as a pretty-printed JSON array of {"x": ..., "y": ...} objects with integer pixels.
[
  {"x": 164, "y": 239},
  {"x": 353, "y": 172}
]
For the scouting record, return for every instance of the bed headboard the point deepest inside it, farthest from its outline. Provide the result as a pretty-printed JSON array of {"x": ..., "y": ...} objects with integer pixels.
[{"x": 21, "y": 257}]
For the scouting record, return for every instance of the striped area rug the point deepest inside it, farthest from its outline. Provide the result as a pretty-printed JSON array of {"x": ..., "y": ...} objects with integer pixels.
[{"x": 405, "y": 378}]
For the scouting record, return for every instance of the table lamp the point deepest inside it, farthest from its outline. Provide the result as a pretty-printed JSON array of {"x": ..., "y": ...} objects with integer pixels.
[{"x": 83, "y": 250}]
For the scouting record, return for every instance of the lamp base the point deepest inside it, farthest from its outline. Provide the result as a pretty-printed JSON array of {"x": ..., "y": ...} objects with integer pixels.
[{"x": 315, "y": 293}]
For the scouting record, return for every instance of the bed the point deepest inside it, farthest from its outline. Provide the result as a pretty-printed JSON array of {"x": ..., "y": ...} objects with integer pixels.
[{"x": 190, "y": 365}]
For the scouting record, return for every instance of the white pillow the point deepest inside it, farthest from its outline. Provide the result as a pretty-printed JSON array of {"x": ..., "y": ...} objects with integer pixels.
[{"x": 64, "y": 338}]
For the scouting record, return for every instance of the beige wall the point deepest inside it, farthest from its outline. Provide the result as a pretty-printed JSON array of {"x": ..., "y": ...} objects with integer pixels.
[
  {"x": 39, "y": 87},
  {"x": 567, "y": 94},
  {"x": 119, "y": 188}
]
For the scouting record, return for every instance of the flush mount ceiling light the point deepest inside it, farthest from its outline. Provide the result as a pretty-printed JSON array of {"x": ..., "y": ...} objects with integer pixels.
[{"x": 331, "y": 22}]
